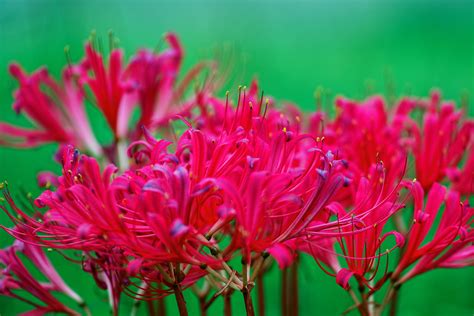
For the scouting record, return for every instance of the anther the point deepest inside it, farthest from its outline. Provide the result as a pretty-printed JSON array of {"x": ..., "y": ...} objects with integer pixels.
[{"x": 214, "y": 251}]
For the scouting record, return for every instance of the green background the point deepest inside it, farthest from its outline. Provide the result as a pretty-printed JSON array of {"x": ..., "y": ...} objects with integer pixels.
[{"x": 293, "y": 47}]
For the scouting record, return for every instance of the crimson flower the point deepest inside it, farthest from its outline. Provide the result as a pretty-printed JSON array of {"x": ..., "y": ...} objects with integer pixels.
[
  {"x": 452, "y": 243},
  {"x": 441, "y": 142},
  {"x": 16, "y": 277}
]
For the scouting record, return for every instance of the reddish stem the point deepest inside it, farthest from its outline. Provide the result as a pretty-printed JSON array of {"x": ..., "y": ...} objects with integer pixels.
[
  {"x": 248, "y": 301},
  {"x": 394, "y": 303},
  {"x": 293, "y": 294},
  {"x": 151, "y": 308},
  {"x": 161, "y": 306},
  {"x": 227, "y": 305},
  {"x": 203, "y": 305},
  {"x": 183, "y": 311},
  {"x": 364, "y": 307}
]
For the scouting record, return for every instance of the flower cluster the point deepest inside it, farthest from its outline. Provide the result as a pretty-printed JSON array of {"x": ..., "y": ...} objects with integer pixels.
[{"x": 209, "y": 207}]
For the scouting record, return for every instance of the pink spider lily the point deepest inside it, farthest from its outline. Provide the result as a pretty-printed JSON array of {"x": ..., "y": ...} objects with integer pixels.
[
  {"x": 113, "y": 95},
  {"x": 450, "y": 247},
  {"x": 113, "y": 224},
  {"x": 156, "y": 80},
  {"x": 156, "y": 197},
  {"x": 15, "y": 276},
  {"x": 165, "y": 215},
  {"x": 441, "y": 142},
  {"x": 269, "y": 175},
  {"x": 72, "y": 221},
  {"x": 365, "y": 134},
  {"x": 149, "y": 80},
  {"x": 55, "y": 109},
  {"x": 360, "y": 233}
]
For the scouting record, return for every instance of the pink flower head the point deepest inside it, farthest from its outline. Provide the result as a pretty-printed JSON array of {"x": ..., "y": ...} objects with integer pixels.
[
  {"x": 441, "y": 142},
  {"x": 360, "y": 232},
  {"x": 275, "y": 180},
  {"x": 365, "y": 134},
  {"x": 16, "y": 277},
  {"x": 452, "y": 243},
  {"x": 164, "y": 212},
  {"x": 80, "y": 214},
  {"x": 114, "y": 97},
  {"x": 155, "y": 76},
  {"x": 56, "y": 111}
]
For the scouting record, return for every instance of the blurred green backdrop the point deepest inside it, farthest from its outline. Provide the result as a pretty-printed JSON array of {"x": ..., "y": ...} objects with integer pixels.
[{"x": 292, "y": 47}]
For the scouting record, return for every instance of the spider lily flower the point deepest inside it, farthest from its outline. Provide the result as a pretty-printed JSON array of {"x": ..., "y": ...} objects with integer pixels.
[
  {"x": 155, "y": 77},
  {"x": 16, "y": 277},
  {"x": 440, "y": 142},
  {"x": 452, "y": 243},
  {"x": 359, "y": 232},
  {"x": 111, "y": 221},
  {"x": 72, "y": 209},
  {"x": 169, "y": 218},
  {"x": 258, "y": 155},
  {"x": 55, "y": 109},
  {"x": 149, "y": 80},
  {"x": 81, "y": 215},
  {"x": 273, "y": 180},
  {"x": 365, "y": 134},
  {"x": 163, "y": 210},
  {"x": 113, "y": 95}
]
